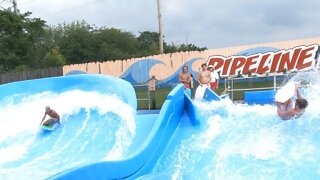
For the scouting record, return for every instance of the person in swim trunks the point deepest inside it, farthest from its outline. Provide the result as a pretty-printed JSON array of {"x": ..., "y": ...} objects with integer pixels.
[
  {"x": 214, "y": 76},
  {"x": 54, "y": 117},
  {"x": 185, "y": 78},
  {"x": 287, "y": 111},
  {"x": 204, "y": 82},
  {"x": 204, "y": 77}
]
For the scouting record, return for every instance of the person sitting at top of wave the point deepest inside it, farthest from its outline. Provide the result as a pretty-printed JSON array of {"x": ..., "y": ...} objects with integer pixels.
[
  {"x": 287, "y": 111},
  {"x": 204, "y": 77},
  {"x": 185, "y": 78},
  {"x": 204, "y": 81},
  {"x": 54, "y": 117}
]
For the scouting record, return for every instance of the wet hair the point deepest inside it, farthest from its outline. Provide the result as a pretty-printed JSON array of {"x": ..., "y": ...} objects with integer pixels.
[
  {"x": 204, "y": 64},
  {"x": 301, "y": 103},
  {"x": 185, "y": 67}
]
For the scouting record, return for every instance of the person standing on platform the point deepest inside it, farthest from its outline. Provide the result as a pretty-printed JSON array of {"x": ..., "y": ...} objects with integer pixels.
[
  {"x": 204, "y": 82},
  {"x": 191, "y": 82},
  {"x": 192, "y": 86},
  {"x": 152, "y": 91},
  {"x": 214, "y": 76},
  {"x": 185, "y": 79}
]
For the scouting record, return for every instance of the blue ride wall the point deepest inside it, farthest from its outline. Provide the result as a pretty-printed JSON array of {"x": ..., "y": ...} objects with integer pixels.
[
  {"x": 86, "y": 82},
  {"x": 259, "y": 97}
]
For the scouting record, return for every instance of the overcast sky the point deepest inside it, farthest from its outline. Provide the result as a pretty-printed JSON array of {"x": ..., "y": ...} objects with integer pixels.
[{"x": 209, "y": 23}]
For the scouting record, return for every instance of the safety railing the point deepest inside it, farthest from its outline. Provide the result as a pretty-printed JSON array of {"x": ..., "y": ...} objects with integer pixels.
[
  {"x": 141, "y": 91},
  {"x": 144, "y": 95},
  {"x": 277, "y": 81}
]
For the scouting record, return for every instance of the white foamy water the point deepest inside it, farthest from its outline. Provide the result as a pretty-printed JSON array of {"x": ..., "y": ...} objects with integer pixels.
[
  {"x": 101, "y": 126},
  {"x": 238, "y": 141}
]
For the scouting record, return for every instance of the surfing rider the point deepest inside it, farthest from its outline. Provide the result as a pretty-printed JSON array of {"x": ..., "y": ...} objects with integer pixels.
[
  {"x": 287, "y": 111},
  {"x": 185, "y": 78},
  {"x": 54, "y": 116}
]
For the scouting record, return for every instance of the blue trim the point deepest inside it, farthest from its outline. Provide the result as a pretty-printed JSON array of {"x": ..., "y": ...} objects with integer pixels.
[
  {"x": 259, "y": 97},
  {"x": 210, "y": 95},
  {"x": 139, "y": 71},
  {"x": 191, "y": 110}
]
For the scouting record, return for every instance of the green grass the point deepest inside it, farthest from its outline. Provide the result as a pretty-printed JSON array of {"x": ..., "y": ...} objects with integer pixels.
[
  {"x": 161, "y": 96},
  {"x": 161, "y": 93}
]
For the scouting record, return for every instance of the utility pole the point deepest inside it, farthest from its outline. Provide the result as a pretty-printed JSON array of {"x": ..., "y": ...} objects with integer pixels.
[
  {"x": 187, "y": 42},
  {"x": 14, "y": 3},
  {"x": 160, "y": 28}
]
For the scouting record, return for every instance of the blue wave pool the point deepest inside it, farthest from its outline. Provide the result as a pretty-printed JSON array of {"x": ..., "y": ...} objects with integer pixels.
[
  {"x": 239, "y": 141},
  {"x": 94, "y": 126},
  {"x": 103, "y": 137}
]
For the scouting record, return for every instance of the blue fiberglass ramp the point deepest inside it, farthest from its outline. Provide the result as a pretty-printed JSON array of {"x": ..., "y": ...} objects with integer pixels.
[{"x": 101, "y": 136}]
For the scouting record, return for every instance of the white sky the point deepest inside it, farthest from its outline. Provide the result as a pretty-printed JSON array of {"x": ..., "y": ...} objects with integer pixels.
[{"x": 210, "y": 23}]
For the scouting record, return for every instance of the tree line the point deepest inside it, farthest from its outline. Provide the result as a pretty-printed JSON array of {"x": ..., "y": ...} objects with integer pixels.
[{"x": 30, "y": 43}]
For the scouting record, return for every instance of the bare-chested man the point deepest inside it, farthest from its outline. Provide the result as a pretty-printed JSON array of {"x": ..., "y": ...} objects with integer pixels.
[
  {"x": 204, "y": 81},
  {"x": 204, "y": 76},
  {"x": 54, "y": 116},
  {"x": 185, "y": 78}
]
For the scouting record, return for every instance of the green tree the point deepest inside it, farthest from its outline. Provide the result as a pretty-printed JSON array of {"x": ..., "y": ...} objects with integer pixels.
[
  {"x": 39, "y": 37},
  {"x": 76, "y": 41},
  {"x": 148, "y": 43},
  {"x": 170, "y": 48},
  {"x": 117, "y": 44},
  {"x": 190, "y": 47},
  {"x": 24, "y": 41},
  {"x": 29, "y": 43},
  {"x": 79, "y": 42},
  {"x": 54, "y": 58},
  {"x": 15, "y": 42}
]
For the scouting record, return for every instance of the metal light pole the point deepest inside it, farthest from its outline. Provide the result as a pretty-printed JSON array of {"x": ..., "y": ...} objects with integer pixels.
[{"x": 160, "y": 28}]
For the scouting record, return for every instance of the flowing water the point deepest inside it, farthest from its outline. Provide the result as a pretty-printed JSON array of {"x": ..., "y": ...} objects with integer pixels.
[
  {"x": 94, "y": 128},
  {"x": 238, "y": 141}
]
